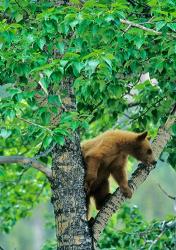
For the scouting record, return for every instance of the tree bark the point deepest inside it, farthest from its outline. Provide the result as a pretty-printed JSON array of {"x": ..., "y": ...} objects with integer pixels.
[
  {"x": 67, "y": 184},
  {"x": 138, "y": 177}
]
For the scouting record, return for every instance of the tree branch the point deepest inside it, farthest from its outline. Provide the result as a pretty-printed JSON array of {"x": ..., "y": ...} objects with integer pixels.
[
  {"x": 168, "y": 195},
  {"x": 24, "y": 160},
  {"x": 45, "y": 153},
  {"x": 139, "y": 26},
  {"x": 32, "y": 123},
  {"x": 138, "y": 177}
]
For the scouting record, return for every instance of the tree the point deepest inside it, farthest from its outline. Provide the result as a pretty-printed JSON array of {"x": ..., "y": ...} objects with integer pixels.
[{"x": 70, "y": 67}]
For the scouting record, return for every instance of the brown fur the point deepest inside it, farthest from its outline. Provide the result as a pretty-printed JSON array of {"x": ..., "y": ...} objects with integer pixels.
[{"x": 108, "y": 154}]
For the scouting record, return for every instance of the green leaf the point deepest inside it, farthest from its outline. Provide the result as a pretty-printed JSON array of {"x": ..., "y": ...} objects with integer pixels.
[
  {"x": 5, "y": 133},
  {"x": 46, "y": 117},
  {"x": 91, "y": 66},
  {"x": 10, "y": 114},
  {"x": 48, "y": 72},
  {"x": 139, "y": 42},
  {"x": 2, "y": 172},
  {"x": 61, "y": 131},
  {"x": 59, "y": 139},
  {"x": 66, "y": 117},
  {"x": 108, "y": 61},
  {"x": 172, "y": 26},
  {"x": 55, "y": 100},
  {"x": 18, "y": 17},
  {"x": 71, "y": 56},
  {"x": 42, "y": 42},
  {"x": 174, "y": 129},
  {"x": 47, "y": 141},
  {"x": 160, "y": 25},
  {"x": 75, "y": 125},
  {"x": 46, "y": 66},
  {"x": 73, "y": 24},
  {"x": 115, "y": 91},
  {"x": 61, "y": 47},
  {"x": 63, "y": 63},
  {"x": 77, "y": 67}
]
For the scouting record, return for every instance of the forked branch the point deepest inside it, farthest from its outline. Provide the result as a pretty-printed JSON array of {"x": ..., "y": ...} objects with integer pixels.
[
  {"x": 139, "y": 26},
  {"x": 30, "y": 161}
]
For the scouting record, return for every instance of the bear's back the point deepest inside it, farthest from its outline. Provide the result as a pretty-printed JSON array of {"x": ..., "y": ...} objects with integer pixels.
[{"x": 99, "y": 143}]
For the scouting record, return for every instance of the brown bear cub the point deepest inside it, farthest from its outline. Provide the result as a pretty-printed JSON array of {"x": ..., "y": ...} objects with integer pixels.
[{"x": 108, "y": 154}]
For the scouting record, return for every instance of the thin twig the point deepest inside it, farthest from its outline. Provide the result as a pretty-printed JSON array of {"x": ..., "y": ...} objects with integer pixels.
[
  {"x": 168, "y": 195},
  {"x": 153, "y": 105},
  {"x": 32, "y": 123},
  {"x": 24, "y": 160},
  {"x": 140, "y": 26},
  {"x": 157, "y": 239},
  {"x": 45, "y": 153},
  {"x": 129, "y": 26},
  {"x": 16, "y": 181}
]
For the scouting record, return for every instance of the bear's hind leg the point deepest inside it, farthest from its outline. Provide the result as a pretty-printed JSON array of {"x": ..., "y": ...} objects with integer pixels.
[{"x": 101, "y": 194}]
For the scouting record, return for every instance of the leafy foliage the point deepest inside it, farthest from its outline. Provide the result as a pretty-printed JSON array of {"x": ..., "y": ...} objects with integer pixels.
[
  {"x": 43, "y": 43},
  {"x": 128, "y": 230}
]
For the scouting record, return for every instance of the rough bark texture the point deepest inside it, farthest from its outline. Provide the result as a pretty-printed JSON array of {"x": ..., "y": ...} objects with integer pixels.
[
  {"x": 68, "y": 195},
  {"x": 138, "y": 177}
]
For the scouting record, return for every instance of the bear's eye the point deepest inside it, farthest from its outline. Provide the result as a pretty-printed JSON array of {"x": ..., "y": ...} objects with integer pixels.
[{"x": 149, "y": 151}]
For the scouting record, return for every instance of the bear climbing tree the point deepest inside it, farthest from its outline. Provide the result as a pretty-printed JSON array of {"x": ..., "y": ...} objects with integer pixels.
[
  {"x": 138, "y": 177},
  {"x": 71, "y": 68},
  {"x": 108, "y": 154}
]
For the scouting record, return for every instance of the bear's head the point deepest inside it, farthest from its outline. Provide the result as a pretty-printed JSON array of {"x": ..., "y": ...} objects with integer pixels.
[{"x": 142, "y": 150}]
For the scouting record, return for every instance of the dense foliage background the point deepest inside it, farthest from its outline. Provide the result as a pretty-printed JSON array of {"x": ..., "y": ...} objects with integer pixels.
[{"x": 123, "y": 77}]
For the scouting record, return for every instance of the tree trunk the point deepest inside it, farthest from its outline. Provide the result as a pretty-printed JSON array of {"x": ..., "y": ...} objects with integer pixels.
[
  {"x": 67, "y": 184},
  {"x": 68, "y": 197}
]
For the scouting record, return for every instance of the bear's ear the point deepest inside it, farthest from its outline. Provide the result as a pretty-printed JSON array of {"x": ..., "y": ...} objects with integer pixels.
[{"x": 142, "y": 136}]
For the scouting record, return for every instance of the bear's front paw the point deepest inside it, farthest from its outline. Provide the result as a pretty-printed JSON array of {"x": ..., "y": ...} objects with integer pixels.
[{"x": 126, "y": 192}]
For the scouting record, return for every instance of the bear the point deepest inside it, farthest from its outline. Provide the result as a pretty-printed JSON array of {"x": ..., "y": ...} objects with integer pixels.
[{"x": 106, "y": 155}]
